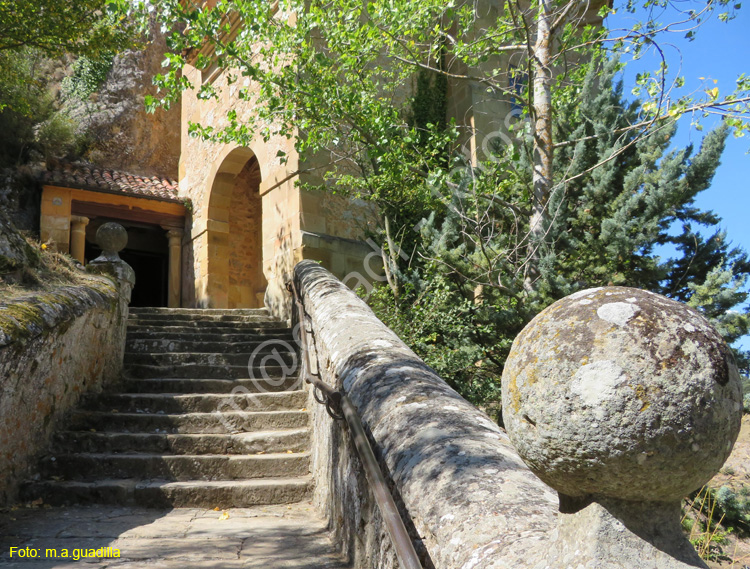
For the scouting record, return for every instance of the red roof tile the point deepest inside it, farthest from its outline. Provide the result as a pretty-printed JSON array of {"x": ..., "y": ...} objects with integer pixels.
[{"x": 89, "y": 177}]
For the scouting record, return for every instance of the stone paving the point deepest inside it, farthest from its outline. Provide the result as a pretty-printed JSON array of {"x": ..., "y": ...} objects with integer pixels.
[{"x": 282, "y": 536}]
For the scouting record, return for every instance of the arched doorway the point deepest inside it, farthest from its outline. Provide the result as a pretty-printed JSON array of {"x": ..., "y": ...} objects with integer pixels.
[{"x": 234, "y": 255}]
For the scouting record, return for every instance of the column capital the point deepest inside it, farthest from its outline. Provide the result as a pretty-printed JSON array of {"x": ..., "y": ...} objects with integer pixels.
[
  {"x": 173, "y": 232},
  {"x": 79, "y": 220}
]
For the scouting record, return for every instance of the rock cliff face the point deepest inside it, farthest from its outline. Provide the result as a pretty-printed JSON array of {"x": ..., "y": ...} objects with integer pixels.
[
  {"x": 124, "y": 136},
  {"x": 20, "y": 192},
  {"x": 15, "y": 252}
]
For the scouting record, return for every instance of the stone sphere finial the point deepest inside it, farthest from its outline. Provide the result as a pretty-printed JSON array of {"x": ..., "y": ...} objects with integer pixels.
[
  {"x": 618, "y": 393},
  {"x": 111, "y": 237}
]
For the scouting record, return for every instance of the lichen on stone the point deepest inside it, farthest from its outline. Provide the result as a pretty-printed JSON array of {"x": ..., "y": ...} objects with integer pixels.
[{"x": 31, "y": 315}]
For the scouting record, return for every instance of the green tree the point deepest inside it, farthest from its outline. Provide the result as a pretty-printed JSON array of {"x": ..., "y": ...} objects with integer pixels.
[
  {"x": 56, "y": 27},
  {"x": 352, "y": 61},
  {"x": 35, "y": 38},
  {"x": 581, "y": 195},
  {"x": 610, "y": 225}
]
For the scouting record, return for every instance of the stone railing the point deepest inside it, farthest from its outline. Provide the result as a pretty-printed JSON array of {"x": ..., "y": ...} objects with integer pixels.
[
  {"x": 595, "y": 400},
  {"x": 55, "y": 346}
]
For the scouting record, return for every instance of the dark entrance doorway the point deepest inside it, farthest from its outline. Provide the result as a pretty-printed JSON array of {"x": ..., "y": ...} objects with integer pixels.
[{"x": 147, "y": 252}]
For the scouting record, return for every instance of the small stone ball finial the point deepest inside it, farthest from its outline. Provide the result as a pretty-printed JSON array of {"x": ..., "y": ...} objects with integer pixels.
[
  {"x": 111, "y": 237},
  {"x": 621, "y": 393}
]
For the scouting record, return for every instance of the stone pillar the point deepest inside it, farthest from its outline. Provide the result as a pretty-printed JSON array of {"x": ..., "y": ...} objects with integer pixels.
[
  {"x": 78, "y": 225},
  {"x": 624, "y": 402},
  {"x": 112, "y": 238},
  {"x": 175, "y": 266}
]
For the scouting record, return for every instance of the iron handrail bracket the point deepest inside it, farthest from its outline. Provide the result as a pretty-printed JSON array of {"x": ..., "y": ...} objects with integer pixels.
[{"x": 340, "y": 406}]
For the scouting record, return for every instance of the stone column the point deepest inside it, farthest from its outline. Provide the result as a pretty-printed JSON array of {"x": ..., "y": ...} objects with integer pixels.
[
  {"x": 112, "y": 238},
  {"x": 175, "y": 266},
  {"x": 78, "y": 225}
]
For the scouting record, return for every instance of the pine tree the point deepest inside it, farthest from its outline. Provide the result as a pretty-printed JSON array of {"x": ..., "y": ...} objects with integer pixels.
[
  {"x": 621, "y": 212},
  {"x": 617, "y": 225}
]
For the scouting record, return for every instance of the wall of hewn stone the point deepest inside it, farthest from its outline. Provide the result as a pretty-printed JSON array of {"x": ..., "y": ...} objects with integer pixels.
[
  {"x": 246, "y": 281},
  {"x": 468, "y": 499},
  {"x": 296, "y": 224},
  {"x": 54, "y": 346}
]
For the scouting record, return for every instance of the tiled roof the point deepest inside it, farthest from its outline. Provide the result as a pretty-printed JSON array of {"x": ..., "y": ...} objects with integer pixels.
[{"x": 89, "y": 177}]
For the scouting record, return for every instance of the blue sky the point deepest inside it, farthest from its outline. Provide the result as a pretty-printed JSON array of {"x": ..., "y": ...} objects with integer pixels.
[{"x": 721, "y": 52}]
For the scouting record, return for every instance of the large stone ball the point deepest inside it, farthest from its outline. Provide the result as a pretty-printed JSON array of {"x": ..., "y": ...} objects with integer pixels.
[
  {"x": 111, "y": 237},
  {"x": 618, "y": 392}
]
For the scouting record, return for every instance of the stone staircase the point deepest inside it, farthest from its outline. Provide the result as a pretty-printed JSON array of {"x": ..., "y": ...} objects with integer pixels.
[{"x": 206, "y": 416}]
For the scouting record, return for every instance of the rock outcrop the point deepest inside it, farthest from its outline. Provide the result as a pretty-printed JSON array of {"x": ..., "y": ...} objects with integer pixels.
[
  {"x": 15, "y": 252},
  {"x": 123, "y": 135}
]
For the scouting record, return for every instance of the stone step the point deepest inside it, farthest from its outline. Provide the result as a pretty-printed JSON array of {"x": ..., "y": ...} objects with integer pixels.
[
  {"x": 204, "y": 385},
  {"x": 241, "y": 346},
  {"x": 296, "y": 440},
  {"x": 211, "y": 415},
  {"x": 145, "y": 310},
  {"x": 204, "y": 371},
  {"x": 188, "y": 423},
  {"x": 158, "y": 494},
  {"x": 262, "y": 356},
  {"x": 171, "y": 403},
  {"x": 181, "y": 333},
  {"x": 238, "y": 319},
  {"x": 170, "y": 323},
  {"x": 181, "y": 468}
]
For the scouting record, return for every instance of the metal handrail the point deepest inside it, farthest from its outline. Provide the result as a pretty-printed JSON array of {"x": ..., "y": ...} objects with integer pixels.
[{"x": 339, "y": 406}]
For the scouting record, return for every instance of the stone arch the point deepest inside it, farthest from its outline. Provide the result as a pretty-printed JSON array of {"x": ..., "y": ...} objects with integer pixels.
[{"x": 234, "y": 233}]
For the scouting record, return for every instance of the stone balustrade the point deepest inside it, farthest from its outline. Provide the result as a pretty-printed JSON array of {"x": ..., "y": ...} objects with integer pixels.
[
  {"x": 54, "y": 347},
  {"x": 621, "y": 400}
]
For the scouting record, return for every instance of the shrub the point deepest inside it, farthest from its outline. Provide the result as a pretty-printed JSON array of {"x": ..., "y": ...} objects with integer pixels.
[
  {"x": 442, "y": 328},
  {"x": 89, "y": 74}
]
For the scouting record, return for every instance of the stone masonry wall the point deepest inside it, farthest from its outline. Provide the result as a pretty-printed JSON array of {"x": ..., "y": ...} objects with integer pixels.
[
  {"x": 246, "y": 282},
  {"x": 54, "y": 347},
  {"x": 467, "y": 498}
]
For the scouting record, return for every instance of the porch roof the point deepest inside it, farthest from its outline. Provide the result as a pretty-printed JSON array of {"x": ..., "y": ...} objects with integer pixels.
[{"x": 84, "y": 176}]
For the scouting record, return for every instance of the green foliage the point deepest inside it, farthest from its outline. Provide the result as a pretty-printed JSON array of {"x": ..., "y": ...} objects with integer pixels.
[
  {"x": 89, "y": 73},
  {"x": 363, "y": 84},
  {"x": 746, "y": 392},
  {"x": 23, "y": 85},
  {"x": 56, "y": 136},
  {"x": 604, "y": 229},
  {"x": 56, "y": 27},
  {"x": 443, "y": 331},
  {"x": 34, "y": 37},
  {"x": 702, "y": 520},
  {"x": 30, "y": 110},
  {"x": 25, "y": 101},
  {"x": 733, "y": 509},
  {"x": 710, "y": 515}
]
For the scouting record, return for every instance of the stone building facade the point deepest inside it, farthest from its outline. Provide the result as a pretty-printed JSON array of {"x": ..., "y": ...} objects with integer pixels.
[
  {"x": 247, "y": 202},
  {"x": 245, "y": 221}
]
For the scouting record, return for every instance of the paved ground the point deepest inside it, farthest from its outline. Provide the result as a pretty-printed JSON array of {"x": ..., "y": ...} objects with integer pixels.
[{"x": 186, "y": 538}]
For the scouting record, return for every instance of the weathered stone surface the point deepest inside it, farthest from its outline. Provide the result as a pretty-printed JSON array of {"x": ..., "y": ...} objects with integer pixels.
[
  {"x": 123, "y": 135},
  {"x": 15, "y": 252},
  {"x": 235, "y": 447},
  {"x": 111, "y": 237},
  {"x": 53, "y": 347},
  {"x": 468, "y": 499},
  {"x": 284, "y": 536},
  {"x": 618, "y": 534},
  {"x": 622, "y": 393}
]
